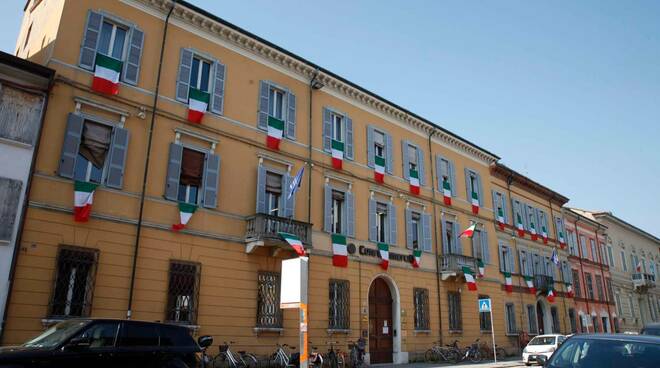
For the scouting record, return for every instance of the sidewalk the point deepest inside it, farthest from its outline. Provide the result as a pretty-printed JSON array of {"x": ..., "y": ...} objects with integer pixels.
[{"x": 507, "y": 363}]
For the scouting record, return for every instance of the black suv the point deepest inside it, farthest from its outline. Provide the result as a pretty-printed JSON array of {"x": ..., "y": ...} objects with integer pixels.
[{"x": 100, "y": 343}]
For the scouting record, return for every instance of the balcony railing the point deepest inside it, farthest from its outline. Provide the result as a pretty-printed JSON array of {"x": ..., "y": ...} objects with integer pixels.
[
  {"x": 262, "y": 229},
  {"x": 454, "y": 263},
  {"x": 643, "y": 281},
  {"x": 542, "y": 283}
]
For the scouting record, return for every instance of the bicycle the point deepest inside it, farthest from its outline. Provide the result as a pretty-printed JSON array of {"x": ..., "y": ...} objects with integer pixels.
[
  {"x": 281, "y": 358},
  {"x": 447, "y": 353},
  {"x": 487, "y": 351},
  {"x": 357, "y": 350},
  {"x": 315, "y": 358},
  {"x": 228, "y": 359},
  {"x": 334, "y": 358},
  {"x": 204, "y": 343}
]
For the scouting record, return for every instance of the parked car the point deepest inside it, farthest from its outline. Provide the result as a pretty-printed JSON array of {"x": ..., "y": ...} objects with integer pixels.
[
  {"x": 651, "y": 329},
  {"x": 542, "y": 345},
  {"x": 103, "y": 343},
  {"x": 606, "y": 351}
]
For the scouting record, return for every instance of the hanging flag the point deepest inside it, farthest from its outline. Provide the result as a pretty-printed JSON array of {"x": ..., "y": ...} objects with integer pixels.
[
  {"x": 638, "y": 268},
  {"x": 198, "y": 103},
  {"x": 544, "y": 234},
  {"x": 294, "y": 242},
  {"x": 82, "y": 200},
  {"x": 475, "y": 203},
  {"x": 554, "y": 257},
  {"x": 417, "y": 258},
  {"x": 337, "y": 154},
  {"x": 469, "y": 232},
  {"x": 551, "y": 292},
  {"x": 482, "y": 268},
  {"x": 562, "y": 242},
  {"x": 500, "y": 218},
  {"x": 339, "y": 251},
  {"x": 384, "y": 251},
  {"x": 469, "y": 278},
  {"x": 275, "y": 129},
  {"x": 446, "y": 191},
  {"x": 379, "y": 169},
  {"x": 106, "y": 74},
  {"x": 295, "y": 183},
  {"x": 508, "y": 282},
  {"x": 530, "y": 284},
  {"x": 519, "y": 226},
  {"x": 186, "y": 211},
  {"x": 532, "y": 230},
  {"x": 414, "y": 181},
  {"x": 569, "y": 290}
]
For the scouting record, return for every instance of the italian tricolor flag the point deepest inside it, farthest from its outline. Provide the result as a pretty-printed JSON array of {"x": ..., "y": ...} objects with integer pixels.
[
  {"x": 339, "y": 251},
  {"x": 562, "y": 242},
  {"x": 294, "y": 242},
  {"x": 569, "y": 290},
  {"x": 469, "y": 232},
  {"x": 544, "y": 234},
  {"x": 475, "y": 203},
  {"x": 508, "y": 282},
  {"x": 519, "y": 226},
  {"x": 186, "y": 211},
  {"x": 414, "y": 181},
  {"x": 532, "y": 230},
  {"x": 275, "y": 129},
  {"x": 500, "y": 218},
  {"x": 337, "y": 154},
  {"x": 82, "y": 200},
  {"x": 551, "y": 294},
  {"x": 384, "y": 251},
  {"x": 198, "y": 103},
  {"x": 417, "y": 258},
  {"x": 446, "y": 191},
  {"x": 482, "y": 268},
  {"x": 379, "y": 169},
  {"x": 530, "y": 284},
  {"x": 469, "y": 278},
  {"x": 106, "y": 74}
]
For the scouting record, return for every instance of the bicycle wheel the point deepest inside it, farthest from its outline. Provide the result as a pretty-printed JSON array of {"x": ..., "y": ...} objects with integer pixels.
[
  {"x": 250, "y": 360},
  {"x": 220, "y": 361},
  {"x": 341, "y": 361},
  {"x": 431, "y": 356},
  {"x": 453, "y": 356},
  {"x": 501, "y": 353},
  {"x": 475, "y": 356}
]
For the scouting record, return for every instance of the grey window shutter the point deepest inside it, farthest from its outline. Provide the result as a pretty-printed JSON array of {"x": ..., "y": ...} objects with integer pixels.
[
  {"x": 420, "y": 166},
  {"x": 117, "y": 158},
  {"x": 439, "y": 172},
  {"x": 475, "y": 250},
  {"x": 521, "y": 260},
  {"x": 373, "y": 230},
  {"x": 405, "y": 160},
  {"x": 291, "y": 116},
  {"x": 218, "y": 95},
  {"x": 504, "y": 208},
  {"x": 494, "y": 196},
  {"x": 370, "y": 146},
  {"x": 500, "y": 250},
  {"x": 261, "y": 190},
  {"x": 327, "y": 130},
  {"x": 183, "y": 77},
  {"x": 173, "y": 172},
  {"x": 409, "y": 234},
  {"x": 479, "y": 190},
  {"x": 531, "y": 271},
  {"x": 445, "y": 245},
  {"x": 211, "y": 181},
  {"x": 349, "y": 137},
  {"x": 391, "y": 214},
  {"x": 132, "y": 65},
  {"x": 452, "y": 176},
  {"x": 485, "y": 251},
  {"x": 468, "y": 185},
  {"x": 327, "y": 209},
  {"x": 426, "y": 232},
  {"x": 74, "y": 126},
  {"x": 457, "y": 240},
  {"x": 389, "y": 155},
  {"x": 350, "y": 214},
  {"x": 264, "y": 95},
  {"x": 289, "y": 203},
  {"x": 10, "y": 195},
  {"x": 90, "y": 40}
]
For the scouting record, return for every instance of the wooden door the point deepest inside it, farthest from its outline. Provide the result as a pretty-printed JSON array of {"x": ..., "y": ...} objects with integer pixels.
[{"x": 381, "y": 327}]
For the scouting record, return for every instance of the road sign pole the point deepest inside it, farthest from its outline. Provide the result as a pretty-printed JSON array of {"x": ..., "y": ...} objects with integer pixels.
[{"x": 492, "y": 333}]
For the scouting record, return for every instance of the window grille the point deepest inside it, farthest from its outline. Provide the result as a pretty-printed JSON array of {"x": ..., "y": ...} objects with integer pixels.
[
  {"x": 554, "y": 312},
  {"x": 339, "y": 305},
  {"x": 455, "y": 320},
  {"x": 422, "y": 320},
  {"x": 531, "y": 319},
  {"x": 183, "y": 292},
  {"x": 74, "y": 282},
  {"x": 269, "y": 314},
  {"x": 571, "y": 318},
  {"x": 510, "y": 318}
]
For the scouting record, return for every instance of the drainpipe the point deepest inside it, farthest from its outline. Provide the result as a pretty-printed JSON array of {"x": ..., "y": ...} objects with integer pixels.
[
  {"x": 584, "y": 282},
  {"x": 314, "y": 83},
  {"x": 435, "y": 231},
  {"x": 509, "y": 181},
  {"x": 552, "y": 217},
  {"x": 129, "y": 309},
  {"x": 602, "y": 272}
]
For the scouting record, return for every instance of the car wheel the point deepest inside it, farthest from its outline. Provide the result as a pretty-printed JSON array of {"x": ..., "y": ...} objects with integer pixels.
[
  {"x": 528, "y": 364},
  {"x": 175, "y": 363}
]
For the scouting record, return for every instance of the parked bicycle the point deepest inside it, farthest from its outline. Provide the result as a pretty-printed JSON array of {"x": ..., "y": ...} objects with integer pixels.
[
  {"x": 281, "y": 357},
  {"x": 334, "y": 358},
  {"x": 205, "y": 359},
  {"x": 228, "y": 359},
  {"x": 472, "y": 353},
  {"x": 315, "y": 358},
  {"x": 487, "y": 351},
  {"x": 357, "y": 350},
  {"x": 448, "y": 353}
]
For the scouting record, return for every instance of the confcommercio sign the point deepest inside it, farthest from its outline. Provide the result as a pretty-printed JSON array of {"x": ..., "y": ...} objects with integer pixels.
[{"x": 373, "y": 252}]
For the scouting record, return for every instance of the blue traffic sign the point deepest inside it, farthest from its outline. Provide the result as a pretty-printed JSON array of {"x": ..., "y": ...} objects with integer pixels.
[{"x": 484, "y": 305}]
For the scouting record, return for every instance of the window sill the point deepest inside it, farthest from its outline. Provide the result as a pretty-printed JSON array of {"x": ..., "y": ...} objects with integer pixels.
[
  {"x": 455, "y": 332},
  {"x": 268, "y": 330},
  {"x": 192, "y": 328},
  {"x": 485, "y": 332},
  {"x": 421, "y": 332},
  {"x": 511, "y": 334},
  {"x": 338, "y": 331},
  {"x": 47, "y": 322}
]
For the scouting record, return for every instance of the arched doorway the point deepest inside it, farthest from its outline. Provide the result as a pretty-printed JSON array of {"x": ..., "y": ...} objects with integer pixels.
[
  {"x": 381, "y": 326},
  {"x": 543, "y": 316}
]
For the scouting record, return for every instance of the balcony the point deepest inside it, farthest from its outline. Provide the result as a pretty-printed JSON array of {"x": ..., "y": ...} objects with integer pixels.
[
  {"x": 642, "y": 282},
  {"x": 263, "y": 231},
  {"x": 452, "y": 264},
  {"x": 542, "y": 283}
]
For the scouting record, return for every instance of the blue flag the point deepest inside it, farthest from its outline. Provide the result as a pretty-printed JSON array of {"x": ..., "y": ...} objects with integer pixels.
[
  {"x": 554, "y": 258},
  {"x": 295, "y": 183}
]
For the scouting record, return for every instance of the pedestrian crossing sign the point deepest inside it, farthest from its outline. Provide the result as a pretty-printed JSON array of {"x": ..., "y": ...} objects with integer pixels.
[{"x": 484, "y": 305}]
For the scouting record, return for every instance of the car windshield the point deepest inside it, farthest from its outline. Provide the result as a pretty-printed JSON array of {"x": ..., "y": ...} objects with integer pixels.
[
  {"x": 543, "y": 340},
  {"x": 651, "y": 331},
  {"x": 585, "y": 353},
  {"x": 56, "y": 334}
]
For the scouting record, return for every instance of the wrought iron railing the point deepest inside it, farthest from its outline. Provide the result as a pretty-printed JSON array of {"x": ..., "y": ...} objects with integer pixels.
[
  {"x": 183, "y": 292},
  {"x": 262, "y": 227},
  {"x": 542, "y": 283},
  {"x": 643, "y": 280},
  {"x": 269, "y": 314},
  {"x": 339, "y": 307},
  {"x": 455, "y": 262},
  {"x": 74, "y": 282}
]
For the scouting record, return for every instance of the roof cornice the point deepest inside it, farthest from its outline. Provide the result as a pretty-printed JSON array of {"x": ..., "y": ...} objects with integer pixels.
[
  {"x": 257, "y": 46},
  {"x": 622, "y": 223},
  {"x": 504, "y": 172}
]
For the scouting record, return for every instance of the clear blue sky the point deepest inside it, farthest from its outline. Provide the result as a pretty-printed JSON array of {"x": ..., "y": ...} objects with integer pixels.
[{"x": 565, "y": 92}]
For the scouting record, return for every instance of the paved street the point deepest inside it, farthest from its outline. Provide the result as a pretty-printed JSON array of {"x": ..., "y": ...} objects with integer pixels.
[{"x": 508, "y": 363}]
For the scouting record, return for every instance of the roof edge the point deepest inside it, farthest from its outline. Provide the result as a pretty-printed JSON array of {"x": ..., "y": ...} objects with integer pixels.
[
  {"x": 516, "y": 177},
  {"x": 610, "y": 215}
]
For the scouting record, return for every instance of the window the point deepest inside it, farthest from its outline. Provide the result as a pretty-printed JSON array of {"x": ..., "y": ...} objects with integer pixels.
[
  {"x": 525, "y": 264},
  {"x": 415, "y": 230},
  {"x": 74, "y": 282},
  {"x": 590, "y": 287},
  {"x": 531, "y": 320},
  {"x": 190, "y": 180},
  {"x": 269, "y": 314},
  {"x": 499, "y": 205},
  {"x": 192, "y": 175},
  {"x": 610, "y": 292},
  {"x": 571, "y": 318},
  {"x": 337, "y": 127},
  {"x": 94, "y": 147},
  {"x": 134, "y": 334},
  {"x": 101, "y": 335},
  {"x": 10, "y": 194},
  {"x": 594, "y": 322},
  {"x": 583, "y": 246},
  {"x": 473, "y": 182},
  {"x": 445, "y": 171},
  {"x": 183, "y": 292},
  {"x": 455, "y": 320},
  {"x": 572, "y": 246},
  {"x": 421, "y": 301},
  {"x": 624, "y": 265},
  {"x": 484, "y": 318},
  {"x": 594, "y": 255},
  {"x": 273, "y": 193},
  {"x": 418, "y": 230},
  {"x": 555, "y": 319},
  {"x": 506, "y": 258},
  {"x": 412, "y": 157},
  {"x": 450, "y": 240},
  {"x": 381, "y": 223},
  {"x": 617, "y": 329},
  {"x": 339, "y": 305},
  {"x": 21, "y": 115},
  {"x": 619, "y": 307},
  {"x": 112, "y": 40},
  {"x": 631, "y": 306},
  {"x": 610, "y": 256},
  {"x": 599, "y": 287},
  {"x": 379, "y": 144},
  {"x": 337, "y": 209},
  {"x": 510, "y": 315}
]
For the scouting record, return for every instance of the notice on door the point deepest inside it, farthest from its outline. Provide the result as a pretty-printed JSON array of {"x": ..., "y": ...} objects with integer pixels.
[{"x": 386, "y": 329}]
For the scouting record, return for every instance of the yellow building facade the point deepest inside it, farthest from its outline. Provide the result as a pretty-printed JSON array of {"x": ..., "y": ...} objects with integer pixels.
[{"x": 220, "y": 273}]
